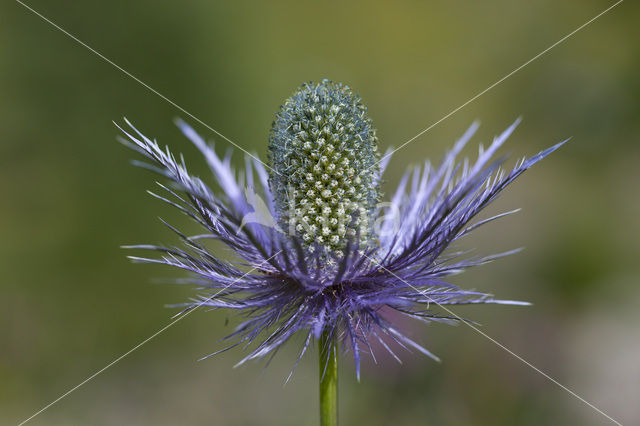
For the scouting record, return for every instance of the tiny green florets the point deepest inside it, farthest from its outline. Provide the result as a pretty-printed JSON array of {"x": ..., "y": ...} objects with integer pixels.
[{"x": 324, "y": 157}]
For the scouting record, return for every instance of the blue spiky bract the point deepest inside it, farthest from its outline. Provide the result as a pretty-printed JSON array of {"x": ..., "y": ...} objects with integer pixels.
[{"x": 287, "y": 289}]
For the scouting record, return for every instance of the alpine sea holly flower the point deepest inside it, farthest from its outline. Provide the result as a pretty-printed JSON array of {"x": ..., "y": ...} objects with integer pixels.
[{"x": 324, "y": 255}]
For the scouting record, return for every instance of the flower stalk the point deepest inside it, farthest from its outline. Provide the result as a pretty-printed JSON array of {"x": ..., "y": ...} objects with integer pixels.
[{"x": 328, "y": 369}]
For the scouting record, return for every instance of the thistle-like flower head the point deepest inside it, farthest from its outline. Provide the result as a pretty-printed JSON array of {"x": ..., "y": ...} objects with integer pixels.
[
  {"x": 324, "y": 159},
  {"x": 322, "y": 191}
]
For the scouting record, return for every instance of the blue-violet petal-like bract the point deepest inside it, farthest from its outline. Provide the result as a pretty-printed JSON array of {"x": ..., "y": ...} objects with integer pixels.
[{"x": 316, "y": 251}]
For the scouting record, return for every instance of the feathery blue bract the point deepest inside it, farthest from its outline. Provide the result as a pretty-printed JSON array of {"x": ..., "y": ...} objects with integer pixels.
[{"x": 287, "y": 290}]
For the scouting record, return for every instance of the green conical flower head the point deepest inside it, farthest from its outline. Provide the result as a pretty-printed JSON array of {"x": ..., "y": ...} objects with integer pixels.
[{"x": 323, "y": 151}]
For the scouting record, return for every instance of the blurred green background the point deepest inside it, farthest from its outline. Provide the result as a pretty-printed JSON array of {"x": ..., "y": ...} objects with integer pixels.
[{"x": 70, "y": 302}]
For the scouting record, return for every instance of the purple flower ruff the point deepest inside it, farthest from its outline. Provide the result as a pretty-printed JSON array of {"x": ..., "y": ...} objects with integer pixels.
[{"x": 287, "y": 290}]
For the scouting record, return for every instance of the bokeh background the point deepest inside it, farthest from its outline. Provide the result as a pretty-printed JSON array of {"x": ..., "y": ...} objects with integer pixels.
[{"x": 70, "y": 302}]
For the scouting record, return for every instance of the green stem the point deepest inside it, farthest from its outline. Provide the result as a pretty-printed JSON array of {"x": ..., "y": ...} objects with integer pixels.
[{"x": 328, "y": 351}]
